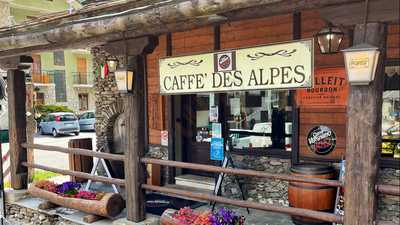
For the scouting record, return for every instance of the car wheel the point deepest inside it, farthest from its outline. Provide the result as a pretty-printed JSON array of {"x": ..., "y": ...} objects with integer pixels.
[
  {"x": 76, "y": 133},
  {"x": 55, "y": 134}
]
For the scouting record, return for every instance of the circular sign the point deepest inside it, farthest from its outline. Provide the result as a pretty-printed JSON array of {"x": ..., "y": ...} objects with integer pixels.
[
  {"x": 224, "y": 61},
  {"x": 321, "y": 140}
]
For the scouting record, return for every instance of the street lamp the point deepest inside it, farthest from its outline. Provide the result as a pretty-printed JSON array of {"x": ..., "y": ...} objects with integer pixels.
[
  {"x": 361, "y": 62},
  {"x": 329, "y": 39},
  {"x": 112, "y": 63}
]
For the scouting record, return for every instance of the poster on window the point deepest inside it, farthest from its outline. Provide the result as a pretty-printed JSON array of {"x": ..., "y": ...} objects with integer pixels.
[
  {"x": 217, "y": 149},
  {"x": 330, "y": 89}
]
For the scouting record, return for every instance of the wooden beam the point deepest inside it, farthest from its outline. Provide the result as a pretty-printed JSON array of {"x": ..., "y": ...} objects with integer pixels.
[
  {"x": 155, "y": 20},
  {"x": 17, "y": 127},
  {"x": 134, "y": 170},
  {"x": 351, "y": 14},
  {"x": 364, "y": 117},
  {"x": 87, "y": 176}
]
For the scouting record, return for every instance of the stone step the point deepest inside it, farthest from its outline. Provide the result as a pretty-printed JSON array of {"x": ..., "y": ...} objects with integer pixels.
[{"x": 195, "y": 181}]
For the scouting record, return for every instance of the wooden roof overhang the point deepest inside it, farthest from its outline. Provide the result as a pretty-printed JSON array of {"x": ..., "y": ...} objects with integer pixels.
[{"x": 99, "y": 23}]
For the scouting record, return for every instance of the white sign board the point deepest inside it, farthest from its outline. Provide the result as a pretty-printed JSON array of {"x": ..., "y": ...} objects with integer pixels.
[{"x": 278, "y": 66}]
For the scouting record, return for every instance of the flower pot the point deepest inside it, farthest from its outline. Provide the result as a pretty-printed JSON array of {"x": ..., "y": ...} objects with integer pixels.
[{"x": 110, "y": 205}]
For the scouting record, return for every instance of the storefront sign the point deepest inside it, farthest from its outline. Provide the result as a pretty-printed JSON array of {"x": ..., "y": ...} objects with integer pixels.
[
  {"x": 217, "y": 149},
  {"x": 321, "y": 140},
  {"x": 278, "y": 66},
  {"x": 330, "y": 89}
]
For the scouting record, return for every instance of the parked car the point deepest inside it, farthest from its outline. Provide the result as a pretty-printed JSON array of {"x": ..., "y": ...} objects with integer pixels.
[
  {"x": 87, "y": 121},
  {"x": 59, "y": 123}
]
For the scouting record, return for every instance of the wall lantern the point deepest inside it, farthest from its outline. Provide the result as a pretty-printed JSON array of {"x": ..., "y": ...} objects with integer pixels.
[
  {"x": 112, "y": 63},
  {"x": 329, "y": 39},
  {"x": 124, "y": 79},
  {"x": 361, "y": 62}
]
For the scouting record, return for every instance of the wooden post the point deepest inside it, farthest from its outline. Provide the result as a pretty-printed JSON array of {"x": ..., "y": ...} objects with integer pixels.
[
  {"x": 17, "y": 127},
  {"x": 134, "y": 169},
  {"x": 364, "y": 117}
]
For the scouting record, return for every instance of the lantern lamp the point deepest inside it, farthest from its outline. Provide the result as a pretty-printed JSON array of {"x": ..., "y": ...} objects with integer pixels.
[
  {"x": 124, "y": 80},
  {"x": 329, "y": 39},
  {"x": 112, "y": 63},
  {"x": 361, "y": 62}
]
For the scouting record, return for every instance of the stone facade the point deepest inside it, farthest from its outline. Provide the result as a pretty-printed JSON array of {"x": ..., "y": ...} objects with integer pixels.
[
  {"x": 256, "y": 189},
  {"x": 389, "y": 206},
  {"x": 20, "y": 215}
]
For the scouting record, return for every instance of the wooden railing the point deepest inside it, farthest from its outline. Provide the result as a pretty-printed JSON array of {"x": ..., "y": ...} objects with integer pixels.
[
  {"x": 329, "y": 217},
  {"x": 77, "y": 151}
]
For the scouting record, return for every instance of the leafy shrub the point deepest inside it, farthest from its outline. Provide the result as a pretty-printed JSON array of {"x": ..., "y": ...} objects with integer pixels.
[{"x": 42, "y": 110}]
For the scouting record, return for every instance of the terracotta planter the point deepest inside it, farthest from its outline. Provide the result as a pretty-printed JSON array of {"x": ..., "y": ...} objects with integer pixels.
[{"x": 109, "y": 206}]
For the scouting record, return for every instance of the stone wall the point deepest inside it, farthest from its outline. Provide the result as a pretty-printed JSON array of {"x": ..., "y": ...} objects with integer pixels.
[
  {"x": 20, "y": 215},
  {"x": 389, "y": 206},
  {"x": 256, "y": 189}
]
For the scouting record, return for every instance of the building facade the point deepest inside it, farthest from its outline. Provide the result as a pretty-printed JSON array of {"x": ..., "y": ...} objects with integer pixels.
[{"x": 59, "y": 77}]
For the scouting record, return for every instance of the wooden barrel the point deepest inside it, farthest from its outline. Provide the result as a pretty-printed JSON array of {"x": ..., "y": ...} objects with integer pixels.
[{"x": 312, "y": 196}]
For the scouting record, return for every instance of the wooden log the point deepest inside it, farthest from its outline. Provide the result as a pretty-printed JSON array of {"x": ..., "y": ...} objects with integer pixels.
[
  {"x": 150, "y": 20},
  {"x": 17, "y": 128},
  {"x": 77, "y": 174},
  {"x": 77, "y": 151},
  {"x": 109, "y": 206},
  {"x": 92, "y": 218},
  {"x": 134, "y": 170},
  {"x": 46, "y": 205},
  {"x": 388, "y": 189},
  {"x": 78, "y": 162},
  {"x": 240, "y": 172},
  {"x": 363, "y": 141}
]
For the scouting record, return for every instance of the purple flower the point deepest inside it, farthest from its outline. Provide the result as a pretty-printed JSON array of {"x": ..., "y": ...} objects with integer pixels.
[
  {"x": 226, "y": 217},
  {"x": 68, "y": 187}
]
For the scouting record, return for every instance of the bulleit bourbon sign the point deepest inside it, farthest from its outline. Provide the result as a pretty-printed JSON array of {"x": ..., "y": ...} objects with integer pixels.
[{"x": 278, "y": 66}]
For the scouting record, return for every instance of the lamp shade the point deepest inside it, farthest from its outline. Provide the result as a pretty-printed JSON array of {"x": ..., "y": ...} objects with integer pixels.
[
  {"x": 112, "y": 64},
  {"x": 329, "y": 39},
  {"x": 124, "y": 80},
  {"x": 361, "y": 62}
]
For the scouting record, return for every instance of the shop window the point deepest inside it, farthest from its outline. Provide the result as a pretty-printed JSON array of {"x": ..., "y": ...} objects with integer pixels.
[
  {"x": 255, "y": 120},
  {"x": 391, "y": 114},
  {"x": 259, "y": 120},
  {"x": 83, "y": 102},
  {"x": 59, "y": 58}
]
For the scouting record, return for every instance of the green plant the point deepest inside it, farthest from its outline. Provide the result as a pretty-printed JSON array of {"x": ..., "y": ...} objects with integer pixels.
[
  {"x": 39, "y": 175},
  {"x": 42, "y": 110}
]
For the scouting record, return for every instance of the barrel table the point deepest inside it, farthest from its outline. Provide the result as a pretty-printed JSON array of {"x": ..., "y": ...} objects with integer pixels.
[{"x": 312, "y": 196}]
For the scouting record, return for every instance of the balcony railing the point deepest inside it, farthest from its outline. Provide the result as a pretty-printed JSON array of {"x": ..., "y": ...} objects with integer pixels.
[
  {"x": 82, "y": 78},
  {"x": 46, "y": 77}
]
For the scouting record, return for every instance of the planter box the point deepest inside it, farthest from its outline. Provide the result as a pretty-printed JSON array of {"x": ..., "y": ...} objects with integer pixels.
[{"x": 109, "y": 206}]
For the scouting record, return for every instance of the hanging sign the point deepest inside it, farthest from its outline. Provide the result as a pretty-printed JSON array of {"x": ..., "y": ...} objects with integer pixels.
[
  {"x": 216, "y": 130},
  {"x": 321, "y": 140},
  {"x": 278, "y": 66},
  {"x": 330, "y": 89},
  {"x": 217, "y": 149}
]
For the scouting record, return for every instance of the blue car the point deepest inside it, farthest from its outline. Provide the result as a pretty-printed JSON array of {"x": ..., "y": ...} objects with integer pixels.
[
  {"x": 59, "y": 123},
  {"x": 87, "y": 121}
]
